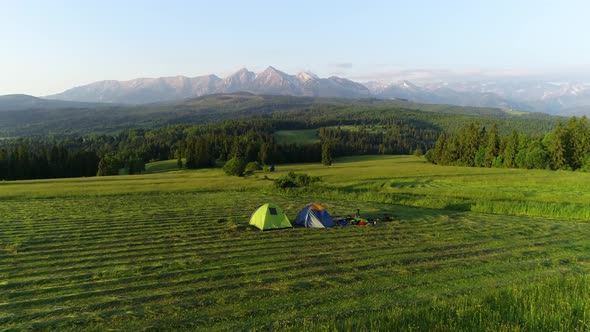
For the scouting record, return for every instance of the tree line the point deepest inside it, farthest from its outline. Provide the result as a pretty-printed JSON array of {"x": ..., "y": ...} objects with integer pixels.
[
  {"x": 199, "y": 146},
  {"x": 397, "y": 138},
  {"x": 27, "y": 160},
  {"x": 566, "y": 147}
]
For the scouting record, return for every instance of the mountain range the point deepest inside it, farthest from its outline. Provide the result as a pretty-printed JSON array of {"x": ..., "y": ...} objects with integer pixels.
[
  {"x": 269, "y": 82},
  {"x": 556, "y": 98}
]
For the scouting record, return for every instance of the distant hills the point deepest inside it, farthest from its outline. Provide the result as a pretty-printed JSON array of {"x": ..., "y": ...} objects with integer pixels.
[
  {"x": 111, "y": 119},
  {"x": 20, "y": 102}
]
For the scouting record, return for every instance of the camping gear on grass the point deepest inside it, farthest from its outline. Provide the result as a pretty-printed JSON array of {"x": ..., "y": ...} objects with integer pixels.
[
  {"x": 351, "y": 220},
  {"x": 314, "y": 215},
  {"x": 361, "y": 221},
  {"x": 340, "y": 221},
  {"x": 269, "y": 216}
]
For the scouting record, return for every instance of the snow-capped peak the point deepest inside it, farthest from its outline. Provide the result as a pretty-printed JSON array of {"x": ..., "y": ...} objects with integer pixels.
[
  {"x": 406, "y": 84},
  {"x": 306, "y": 76}
]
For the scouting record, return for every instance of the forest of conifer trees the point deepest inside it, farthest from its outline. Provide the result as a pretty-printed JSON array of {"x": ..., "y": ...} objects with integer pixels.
[
  {"x": 566, "y": 147},
  {"x": 199, "y": 145}
]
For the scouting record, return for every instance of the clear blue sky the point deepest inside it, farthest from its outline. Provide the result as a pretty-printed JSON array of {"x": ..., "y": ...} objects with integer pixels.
[{"x": 48, "y": 46}]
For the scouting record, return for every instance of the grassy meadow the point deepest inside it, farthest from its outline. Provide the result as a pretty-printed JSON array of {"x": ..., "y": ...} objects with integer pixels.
[
  {"x": 162, "y": 166},
  {"x": 302, "y": 136},
  {"x": 468, "y": 249}
]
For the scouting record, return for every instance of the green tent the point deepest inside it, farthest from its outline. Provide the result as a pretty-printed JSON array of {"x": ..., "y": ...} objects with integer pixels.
[{"x": 269, "y": 216}]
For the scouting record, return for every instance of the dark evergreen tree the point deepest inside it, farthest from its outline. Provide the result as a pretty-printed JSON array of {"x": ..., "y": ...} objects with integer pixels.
[
  {"x": 468, "y": 144},
  {"x": 203, "y": 158},
  {"x": 577, "y": 137},
  {"x": 326, "y": 154},
  {"x": 439, "y": 149},
  {"x": 264, "y": 152},
  {"x": 492, "y": 148},
  {"x": 536, "y": 156},
  {"x": 511, "y": 150},
  {"x": 191, "y": 155},
  {"x": 135, "y": 165},
  {"x": 557, "y": 147}
]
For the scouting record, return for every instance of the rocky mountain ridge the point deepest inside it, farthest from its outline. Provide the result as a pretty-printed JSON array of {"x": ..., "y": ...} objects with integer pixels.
[
  {"x": 271, "y": 81},
  {"x": 562, "y": 98}
]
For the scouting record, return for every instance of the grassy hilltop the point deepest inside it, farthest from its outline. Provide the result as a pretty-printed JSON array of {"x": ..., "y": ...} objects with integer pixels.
[{"x": 469, "y": 249}]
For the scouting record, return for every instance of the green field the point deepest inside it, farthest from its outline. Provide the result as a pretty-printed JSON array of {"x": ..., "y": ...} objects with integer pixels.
[
  {"x": 302, "y": 137},
  {"x": 372, "y": 129},
  {"x": 162, "y": 166},
  {"x": 514, "y": 112},
  {"x": 173, "y": 251}
]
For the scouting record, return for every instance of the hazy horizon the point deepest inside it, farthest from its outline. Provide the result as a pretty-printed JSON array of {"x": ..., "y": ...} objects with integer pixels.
[{"x": 51, "y": 47}]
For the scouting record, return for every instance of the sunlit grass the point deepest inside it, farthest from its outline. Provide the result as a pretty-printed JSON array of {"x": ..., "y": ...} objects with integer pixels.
[
  {"x": 173, "y": 250},
  {"x": 163, "y": 166},
  {"x": 412, "y": 181},
  {"x": 512, "y": 308}
]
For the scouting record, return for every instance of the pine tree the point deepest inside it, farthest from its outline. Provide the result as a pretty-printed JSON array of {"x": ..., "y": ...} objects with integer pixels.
[
  {"x": 202, "y": 155},
  {"x": 571, "y": 144},
  {"x": 191, "y": 157},
  {"x": 511, "y": 150},
  {"x": 583, "y": 139},
  {"x": 452, "y": 150},
  {"x": 326, "y": 154},
  {"x": 439, "y": 149},
  {"x": 537, "y": 156},
  {"x": 579, "y": 142},
  {"x": 131, "y": 166},
  {"x": 468, "y": 144},
  {"x": 236, "y": 149},
  {"x": 4, "y": 169},
  {"x": 493, "y": 146},
  {"x": 22, "y": 158},
  {"x": 557, "y": 147},
  {"x": 263, "y": 154}
]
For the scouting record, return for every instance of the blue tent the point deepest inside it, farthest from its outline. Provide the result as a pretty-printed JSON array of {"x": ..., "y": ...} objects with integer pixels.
[{"x": 314, "y": 215}]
